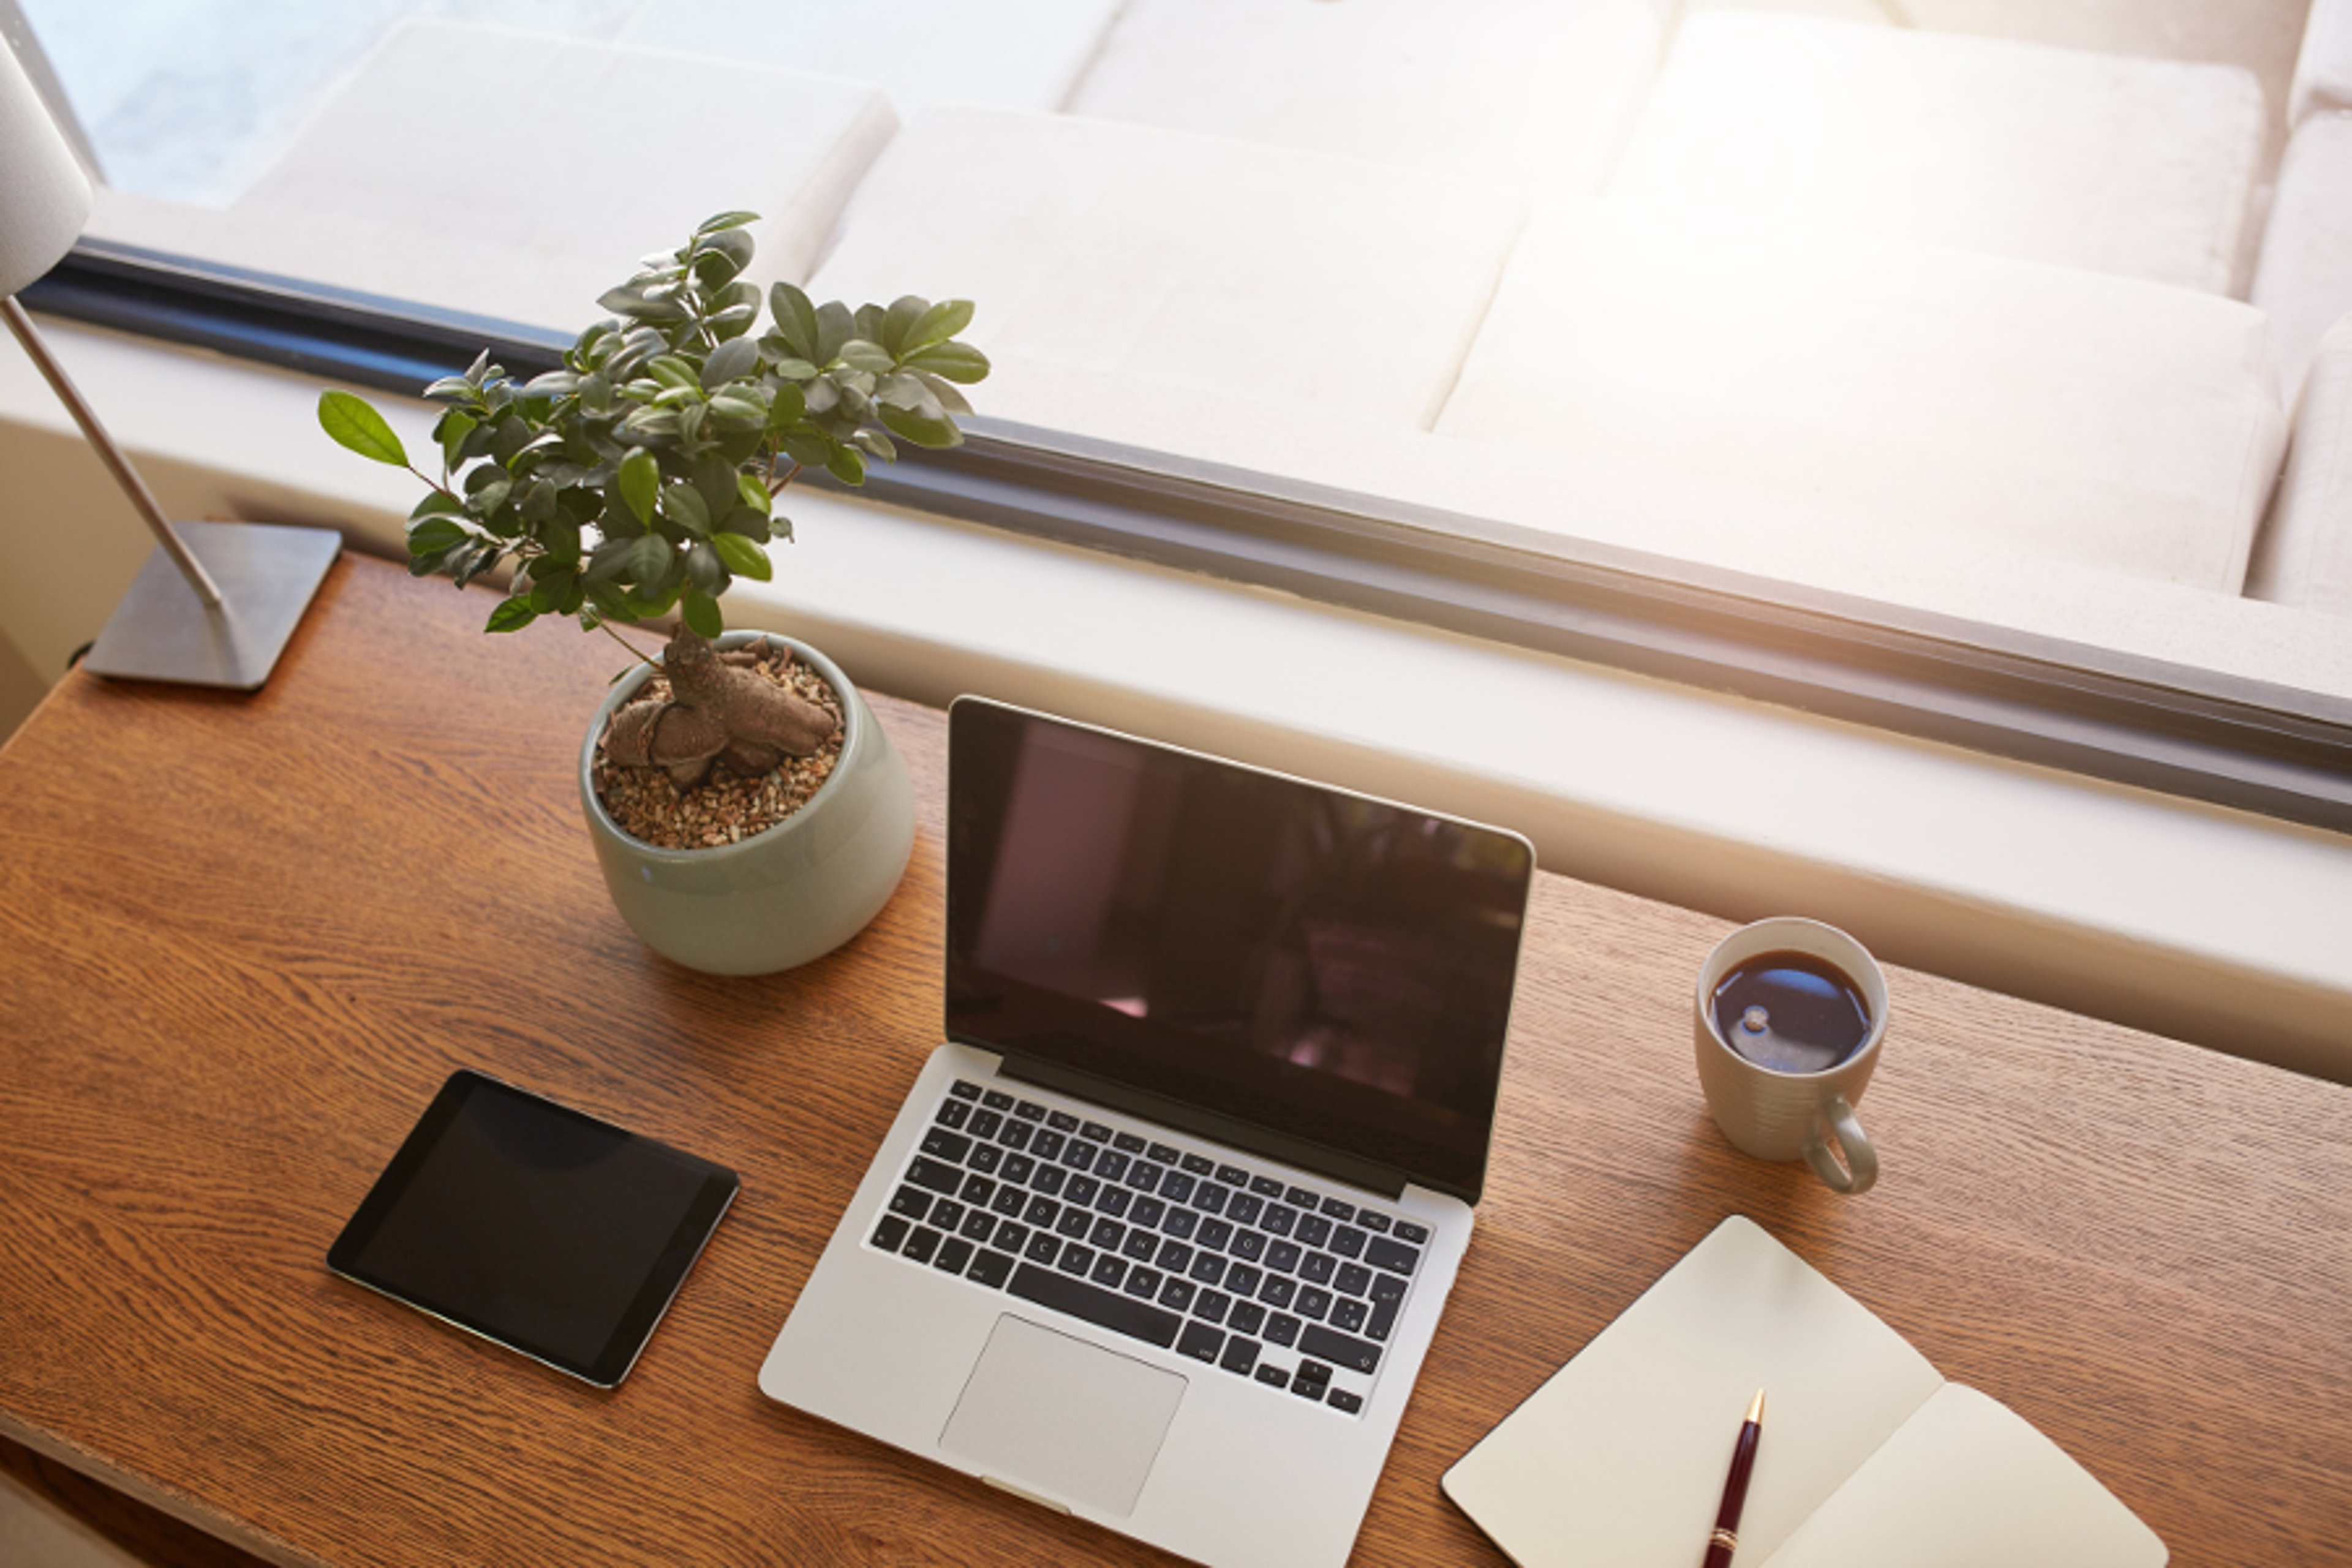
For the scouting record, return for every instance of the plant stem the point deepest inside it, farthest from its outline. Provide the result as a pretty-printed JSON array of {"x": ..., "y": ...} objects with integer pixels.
[{"x": 606, "y": 627}]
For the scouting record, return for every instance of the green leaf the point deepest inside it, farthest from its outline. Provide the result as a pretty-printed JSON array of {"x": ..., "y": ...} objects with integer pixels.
[
  {"x": 726, "y": 220},
  {"x": 936, "y": 325},
  {"x": 673, "y": 372},
  {"x": 731, "y": 361},
  {"x": 648, "y": 560},
  {"x": 898, "y": 320},
  {"x": 796, "y": 321},
  {"x": 859, "y": 353},
  {"x": 744, "y": 557},
  {"x": 434, "y": 535},
  {"x": 834, "y": 327},
  {"x": 684, "y": 505},
  {"x": 640, "y": 483},
  {"x": 701, "y": 612},
  {"x": 512, "y": 615},
  {"x": 706, "y": 572},
  {"x": 844, "y": 464},
  {"x": 952, "y": 361},
  {"x": 938, "y": 434},
  {"x": 755, "y": 494},
  {"x": 355, "y": 424}
]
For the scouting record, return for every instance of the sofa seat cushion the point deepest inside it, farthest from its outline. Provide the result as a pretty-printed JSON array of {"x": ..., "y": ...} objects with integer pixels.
[
  {"x": 1534, "y": 94},
  {"x": 413, "y": 181},
  {"x": 2304, "y": 556},
  {"x": 1883, "y": 386},
  {"x": 1131, "y": 255},
  {"x": 2303, "y": 279},
  {"x": 2132, "y": 167},
  {"x": 2322, "y": 68}
]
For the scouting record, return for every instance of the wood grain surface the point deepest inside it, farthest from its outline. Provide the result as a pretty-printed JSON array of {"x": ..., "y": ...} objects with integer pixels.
[{"x": 246, "y": 937}]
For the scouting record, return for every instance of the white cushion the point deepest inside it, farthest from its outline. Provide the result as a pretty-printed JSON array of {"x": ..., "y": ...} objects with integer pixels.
[
  {"x": 1137, "y": 255},
  {"x": 2133, "y": 166},
  {"x": 2305, "y": 277},
  {"x": 1886, "y": 387},
  {"x": 2322, "y": 68},
  {"x": 1012, "y": 54},
  {"x": 1529, "y": 92},
  {"x": 504, "y": 173},
  {"x": 2304, "y": 556}
]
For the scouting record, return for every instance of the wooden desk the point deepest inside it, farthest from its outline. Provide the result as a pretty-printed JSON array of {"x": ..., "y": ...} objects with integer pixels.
[{"x": 246, "y": 938}]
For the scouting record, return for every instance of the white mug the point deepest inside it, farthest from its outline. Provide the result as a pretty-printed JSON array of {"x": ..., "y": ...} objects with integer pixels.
[{"x": 1793, "y": 1110}]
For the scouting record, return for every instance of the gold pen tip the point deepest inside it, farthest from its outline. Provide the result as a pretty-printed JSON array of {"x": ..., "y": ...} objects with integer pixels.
[{"x": 1756, "y": 1410}]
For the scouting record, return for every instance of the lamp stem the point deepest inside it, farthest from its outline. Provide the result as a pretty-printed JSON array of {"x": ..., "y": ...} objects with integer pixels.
[{"x": 142, "y": 498}]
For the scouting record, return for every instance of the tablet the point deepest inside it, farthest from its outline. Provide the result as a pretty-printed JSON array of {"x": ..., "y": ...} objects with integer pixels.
[{"x": 535, "y": 1227}]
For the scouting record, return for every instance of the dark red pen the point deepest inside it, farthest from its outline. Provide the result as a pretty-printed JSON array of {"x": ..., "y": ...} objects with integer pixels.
[{"x": 1726, "y": 1539}]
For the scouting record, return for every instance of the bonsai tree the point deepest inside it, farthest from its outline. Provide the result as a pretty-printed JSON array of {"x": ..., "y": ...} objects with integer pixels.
[{"x": 639, "y": 479}]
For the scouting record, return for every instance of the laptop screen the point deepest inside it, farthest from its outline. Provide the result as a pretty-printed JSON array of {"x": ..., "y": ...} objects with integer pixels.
[{"x": 1326, "y": 967}]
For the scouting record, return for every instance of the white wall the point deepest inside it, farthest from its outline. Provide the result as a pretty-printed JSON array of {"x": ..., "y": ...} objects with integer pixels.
[{"x": 2203, "y": 923}]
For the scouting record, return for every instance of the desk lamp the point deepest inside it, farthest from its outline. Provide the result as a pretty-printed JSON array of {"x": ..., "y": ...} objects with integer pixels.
[{"x": 214, "y": 607}]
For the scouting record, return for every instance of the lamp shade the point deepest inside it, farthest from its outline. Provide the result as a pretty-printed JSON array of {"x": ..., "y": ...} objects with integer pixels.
[{"x": 44, "y": 196}]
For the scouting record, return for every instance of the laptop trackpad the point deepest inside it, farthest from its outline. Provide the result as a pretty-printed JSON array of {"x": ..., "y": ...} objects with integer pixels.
[{"x": 1055, "y": 1415}]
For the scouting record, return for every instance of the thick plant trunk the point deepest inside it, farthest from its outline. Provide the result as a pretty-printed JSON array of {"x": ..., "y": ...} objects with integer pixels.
[{"x": 719, "y": 710}]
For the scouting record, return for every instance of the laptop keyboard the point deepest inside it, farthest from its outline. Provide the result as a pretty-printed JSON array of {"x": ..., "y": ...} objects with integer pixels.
[{"x": 1294, "y": 1288}]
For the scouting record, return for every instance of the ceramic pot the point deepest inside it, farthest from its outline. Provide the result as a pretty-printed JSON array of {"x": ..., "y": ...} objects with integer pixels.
[{"x": 779, "y": 897}]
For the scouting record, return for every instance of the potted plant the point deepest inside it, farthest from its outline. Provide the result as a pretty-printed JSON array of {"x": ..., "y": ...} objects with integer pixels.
[{"x": 748, "y": 811}]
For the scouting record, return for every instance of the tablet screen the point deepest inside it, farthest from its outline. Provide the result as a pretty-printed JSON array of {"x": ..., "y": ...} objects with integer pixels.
[{"x": 534, "y": 1226}]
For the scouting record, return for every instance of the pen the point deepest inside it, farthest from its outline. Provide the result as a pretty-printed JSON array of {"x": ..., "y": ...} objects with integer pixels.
[{"x": 1726, "y": 1539}]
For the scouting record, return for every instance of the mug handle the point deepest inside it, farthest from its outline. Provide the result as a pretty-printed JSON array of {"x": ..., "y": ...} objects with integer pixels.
[{"x": 1836, "y": 1120}]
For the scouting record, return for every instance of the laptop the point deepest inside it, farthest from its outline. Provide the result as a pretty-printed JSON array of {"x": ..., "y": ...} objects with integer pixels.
[{"x": 1163, "y": 1230}]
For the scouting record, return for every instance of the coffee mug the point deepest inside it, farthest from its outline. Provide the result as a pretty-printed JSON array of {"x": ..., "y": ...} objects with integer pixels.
[{"x": 1791, "y": 1014}]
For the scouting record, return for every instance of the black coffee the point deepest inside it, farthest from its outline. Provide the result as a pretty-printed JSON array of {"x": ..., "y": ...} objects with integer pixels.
[{"x": 1791, "y": 1012}]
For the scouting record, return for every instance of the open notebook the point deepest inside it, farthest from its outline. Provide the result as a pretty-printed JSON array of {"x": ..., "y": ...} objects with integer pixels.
[{"x": 1868, "y": 1456}]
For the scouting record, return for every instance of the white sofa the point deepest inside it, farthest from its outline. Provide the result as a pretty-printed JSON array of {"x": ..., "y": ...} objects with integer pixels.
[
  {"x": 2303, "y": 278},
  {"x": 2304, "y": 556},
  {"x": 2322, "y": 68}
]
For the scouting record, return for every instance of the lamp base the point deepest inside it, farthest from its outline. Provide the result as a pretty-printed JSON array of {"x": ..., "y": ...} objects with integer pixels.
[{"x": 267, "y": 576}]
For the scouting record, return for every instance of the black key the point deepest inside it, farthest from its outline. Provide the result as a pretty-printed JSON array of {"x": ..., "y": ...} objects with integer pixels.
[
  {"x": 1210, "y": 1198},
  {"x": 947, "y": 1216},
  {"x": 1341, "y": 1400},
  {"x": 997, "y": 1099},
  {"x": 989, "y": 1269},
  {"x": 946, "y": 1145},
  {"x": 891, "y": 1233},
  {"x": 1148, "y": 1212},
  {"x": 1095, "y": 1132},
  {"x": 1409, "y": 1232},
  {"x": 1279, "y": 1218},
  {"x": 1077, "y": 1257},
  {"x": 1200, "y": 1341},
  {"x": 1348, "y": 1242},
  {"x": 923, "y": 1244},
  {"x": 1300, "y": 1198},
  {"x": 1107, "y": 1234},
  {"x": 1198, "y": 1164},
  {"x": 1348, "y": 1313},
  {"x": 1015, "y": 1135},
  {"x": 1306, "y": 1390},
  {"x": 935, "y": 1177},
  {"x": 1247, "y": 1318},
  {"x": 955, "y": 1253},
  {"x": 964, "y": 1089},
  {"x": 1249, "y": 1246},
  {"x": 1161, "y": 1152},
  {"x": 987, "y": 1124},
  {"x": 1010, "y": 1201},
  {"x": 1313, "y": 1303},
  {"x": 1048, "y": 1145},
  {"x": 986, "y": 1159},
  {"x": 1174, "y": 1256},
  {"x": 1127, "y": 1142},
  {"x": 909, "y": 1203},
  {"x": 1176, "y": 1186},
  {"x": 1143, "y": 1175},
  {"x": 1042, "y": 1210},
  {"x": 1387, "y": 1289},
  {"x": 1075, "y": 1222},
  {"x": 1210, "y": 1306},
  {"x": 1104, "y": 1309},
  {"x": 1282, "y": 1329},
  {"x": 1232, "y": 1176},
  {"x": 1043, "y": 1246},
  {"x": 1378, "y": 1224},
  {"x": 1018, "y": 1168},
  {"x": 1109, "y": 1271},
  {"x": 977, "y": 1189},
  {"x": 1392, "y": 1256},
  {"x": 1272, "y": 1376},
  {"x": 1082, "y": 1189},
  {"x": 1216, "y": 1233},
  {"x": 1008, "y": 1236},
  {"x": 1354, "y": 1280},
  {"x": 1061, "y": 1122},
  {"x": 1265, "y": 1186},
  {"x": 1078, "y": 1156},
  {"x": 1278, "y": 1290},
  {"x": 1028, "y": 1111},
  {"x": 1339, "y": 1208},
  {"x": 1144, "y": 1283},
  {"x": 1325, "y": 1344},
  {"x": 1139, "y": 1244},
  {"x": 953, "y": 1113},
  {"x": 1317, "y": 1270},
  {"x": 1111, "y": 1166},
  {"x": 1284, "y": 1257},
  {"x": 1177, "y": 1295},
  {"x": 1242, "y": 1280},
  {"x": 1180, "y": 1223},
  {"x": 1313, "y": 1371},
  {"x": 1383, "y": 1321},
  {"x": 1240, "y": 1354},
  {"x": 1113, "y": 1200},
  {"x": 979, "y": 1224},
  {"x": 1049, "y": 1180},
  {"x": 1314, "y": 1230},
  {"x": 1245, "y": 1208},
  {"x": 1208, "y": 1268}
]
